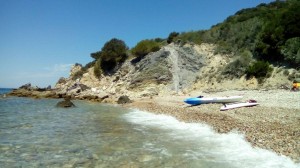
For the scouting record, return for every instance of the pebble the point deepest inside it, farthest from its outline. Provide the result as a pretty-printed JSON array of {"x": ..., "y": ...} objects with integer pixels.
[{"x": 266, "y": 126}]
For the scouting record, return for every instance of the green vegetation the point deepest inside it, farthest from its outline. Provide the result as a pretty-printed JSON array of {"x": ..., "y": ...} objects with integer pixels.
[
  {"x": 260, "y": 70},
  {"x": 97, "y": 68},
  {"x": 291, "y": 50},
  {"x": 83, "y": 70},
  {"x": 267, "y": 33},
  {"x": 270, "y": 32},
  {"x": 172, "y": 37},
  {"x": 193, "y": 36},
  {"x": 238, "y": 67},
  {"x": 112, "y": 54},
  {"x": 144, "y": 47},
  {"x": 282, "y": 25}
]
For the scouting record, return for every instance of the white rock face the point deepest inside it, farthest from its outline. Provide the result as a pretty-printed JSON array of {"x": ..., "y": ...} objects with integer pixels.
[
  {"x": 74, "y": 69},
  {"x": 174, "y": 69}
]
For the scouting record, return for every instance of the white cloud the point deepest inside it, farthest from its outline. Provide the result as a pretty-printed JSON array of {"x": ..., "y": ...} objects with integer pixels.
[
  {"x": 60, "y": 68},
  {"x": 57, "y": 70}
]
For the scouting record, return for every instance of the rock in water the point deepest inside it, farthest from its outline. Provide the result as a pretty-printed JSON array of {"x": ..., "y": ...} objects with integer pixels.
[
  {"x": 124, "y": 100},
  {"x": 65, "y": 103}
]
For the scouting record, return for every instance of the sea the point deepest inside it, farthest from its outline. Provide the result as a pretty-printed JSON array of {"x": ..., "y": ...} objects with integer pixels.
[{"x": 36, "y": 133}]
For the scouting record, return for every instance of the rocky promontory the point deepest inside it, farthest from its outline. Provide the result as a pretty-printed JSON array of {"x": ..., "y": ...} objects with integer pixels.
[
  {"x": 175, "y": 69},
  {"x": 162, "y": 80}
]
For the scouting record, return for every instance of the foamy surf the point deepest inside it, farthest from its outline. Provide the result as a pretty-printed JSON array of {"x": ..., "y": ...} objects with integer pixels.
[{"x": 231, "y": 149}]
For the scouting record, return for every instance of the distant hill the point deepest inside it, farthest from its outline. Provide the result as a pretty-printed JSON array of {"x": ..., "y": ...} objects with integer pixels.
[{"x": 271, "y": 32}]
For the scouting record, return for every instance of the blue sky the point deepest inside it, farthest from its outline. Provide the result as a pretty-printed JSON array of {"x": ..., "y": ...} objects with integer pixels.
[{"x": 41, "y": 39}]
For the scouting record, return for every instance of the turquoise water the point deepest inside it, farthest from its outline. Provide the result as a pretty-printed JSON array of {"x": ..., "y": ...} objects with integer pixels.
[{"x": 34, "y": 133}]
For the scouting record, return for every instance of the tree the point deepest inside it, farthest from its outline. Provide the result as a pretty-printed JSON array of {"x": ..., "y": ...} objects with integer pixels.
[
  {"x": 112, "y": 54},
  {"x": 97, "y": 69},
  {"x": 291, "y": 50},
  {"x": 96, "y": 55},
  {"x": 115, "y": 50},
  {"x": 172, "y": 36}
]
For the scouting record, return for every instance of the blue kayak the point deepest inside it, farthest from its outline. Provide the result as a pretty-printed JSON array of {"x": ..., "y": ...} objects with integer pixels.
[{"x": 205, "y": 100}]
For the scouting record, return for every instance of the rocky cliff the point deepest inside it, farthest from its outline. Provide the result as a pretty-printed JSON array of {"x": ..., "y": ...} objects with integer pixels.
[
  {"x": 174, "y": 69},
  {"x": 169, "y": 70}
]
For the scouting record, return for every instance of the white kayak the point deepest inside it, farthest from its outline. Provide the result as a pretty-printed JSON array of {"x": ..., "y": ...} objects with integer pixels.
[
  {"x": 238, "y": 105},
  {"x": 205, "y": 100}
]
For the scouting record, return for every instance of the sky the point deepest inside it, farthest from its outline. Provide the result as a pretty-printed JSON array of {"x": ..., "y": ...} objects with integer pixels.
[{"x": 41, "y": 39}]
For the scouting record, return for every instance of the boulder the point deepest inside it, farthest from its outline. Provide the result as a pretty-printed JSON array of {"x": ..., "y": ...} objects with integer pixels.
[
  {"x": 124, "y": 100},
  {"x": 65, "y": 103}
]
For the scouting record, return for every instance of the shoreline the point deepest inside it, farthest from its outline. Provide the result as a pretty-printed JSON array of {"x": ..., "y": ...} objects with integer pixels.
[
  {"x": 273, "y": 125},
  {"x": 270, "y": 125}
]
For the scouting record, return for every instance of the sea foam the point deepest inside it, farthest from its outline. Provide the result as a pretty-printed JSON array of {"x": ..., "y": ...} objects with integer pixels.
[{"x": 230, "y": 148}]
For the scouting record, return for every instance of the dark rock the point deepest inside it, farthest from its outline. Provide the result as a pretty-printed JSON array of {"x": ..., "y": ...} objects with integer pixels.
[
  {"x": 116, "y": 78},
  {"x": 26, "y": 86},
  {"x": 65, "y": 103},
  {"x": 84, "y": 87},
  {"x": 49, "y": 87},
  {"x": 124, "y": 100},
  {"x": 41, "y": 89},
  {"x": 61, "y": 95},
  {"x": 89, "y": 97}
]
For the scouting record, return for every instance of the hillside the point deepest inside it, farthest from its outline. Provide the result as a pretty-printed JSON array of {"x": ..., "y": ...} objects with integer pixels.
[
  {"x": 271, "y": 32},
  {"x": 174, "y": 69},
  {"x": 255, "y": 48}
]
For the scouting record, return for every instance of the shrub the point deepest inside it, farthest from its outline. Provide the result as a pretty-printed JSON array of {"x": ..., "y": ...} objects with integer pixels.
[
  {"x": 144, "y": 47},
  {"x": 83, "y": 70},
  {"x": 193, "y": 36},
  {"x": 62, "y": 80},
  {"x": 114, "y": 49},
  {"x": 260, "y": 70},
  {"x": 286, "y": 72},
  {"x": 235, "y": 69},
  {"x": 291, "y": 50},
  {"x": 113, "y": 53},
  {"x": 238, "y": 67},
  {"x": 78, "y": 74},
  {"x": 97, "y": 68},
  {"x": 96, "y": 55},
  {"x": 172, "y": 36}
]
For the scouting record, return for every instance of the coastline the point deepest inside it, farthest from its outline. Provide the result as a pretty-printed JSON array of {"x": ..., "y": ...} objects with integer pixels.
[{"x": 272, "y": 125}]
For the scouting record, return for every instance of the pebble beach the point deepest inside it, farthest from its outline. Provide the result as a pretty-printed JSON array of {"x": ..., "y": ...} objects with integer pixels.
[{"x": 273, "y": 125}]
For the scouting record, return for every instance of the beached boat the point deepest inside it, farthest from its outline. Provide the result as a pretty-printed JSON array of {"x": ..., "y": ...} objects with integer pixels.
[{"x": 205, "y": 100}]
